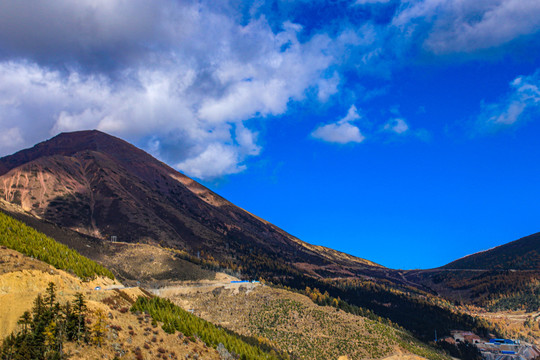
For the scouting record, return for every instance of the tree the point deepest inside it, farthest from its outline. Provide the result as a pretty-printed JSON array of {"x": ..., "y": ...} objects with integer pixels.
[
  {"x": 76, "y": 328},
  {"x": 51, "y": 295},
  {"x": 25, "y": 320},
  {"x": 99, "y": 328}
]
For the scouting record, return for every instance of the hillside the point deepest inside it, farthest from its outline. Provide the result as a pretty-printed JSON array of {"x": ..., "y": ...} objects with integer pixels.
[
  {"x": 16, "y": 235},
  {"x": 133, "y": 264},
  {"x": 102, "y": 186},
  {"x": 521, "y": 254},
  {"x": 53, "y": 296},
  {"x": 294, "y": 324},
  {"x": 506, "y": 277},
  {"x": 23, "y": 278}
]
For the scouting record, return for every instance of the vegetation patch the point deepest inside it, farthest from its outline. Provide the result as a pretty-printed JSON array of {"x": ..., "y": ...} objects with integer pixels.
[
  {"x": 176, "y": 319},
  {"x": 48, "y": 326},
  {"x": 20, "y": 237}
]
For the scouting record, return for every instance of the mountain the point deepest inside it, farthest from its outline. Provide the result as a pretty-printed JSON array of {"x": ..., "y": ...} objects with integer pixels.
[
  {"x": 102, "y": 186},
  {"x": 521, "y": 254},
  {"x": 506, "y": 277}
]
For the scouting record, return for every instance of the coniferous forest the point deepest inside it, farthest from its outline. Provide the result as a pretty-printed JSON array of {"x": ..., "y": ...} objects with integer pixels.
[{"x": 24, "y": 239}]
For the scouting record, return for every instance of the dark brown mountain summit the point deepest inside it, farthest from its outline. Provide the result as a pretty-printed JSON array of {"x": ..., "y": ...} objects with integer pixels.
[{"x": 103, "y": 186}]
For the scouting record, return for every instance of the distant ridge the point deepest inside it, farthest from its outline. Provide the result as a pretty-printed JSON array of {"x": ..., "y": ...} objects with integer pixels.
[{"x": 521, "y": 254}]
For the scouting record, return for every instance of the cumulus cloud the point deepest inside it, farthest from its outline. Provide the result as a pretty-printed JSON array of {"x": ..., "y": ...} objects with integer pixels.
[
  {"x": 11, "y": 138},
  {"x": 179, "y": 78},
  {"x": 522, "y": 101},
  {"x": 217, "y": 159},
  {"x": 328, "y": 87},
  {"x": 399, "y": 128},
  {"x": 341, "y": 132}
]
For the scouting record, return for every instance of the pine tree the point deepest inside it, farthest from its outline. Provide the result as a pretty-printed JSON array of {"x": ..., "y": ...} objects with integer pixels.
[
  {"x": 51, "y": 295},
  {"x": 25, "y": 321},
  {"x": 45, "y": 329},
  {"x": 76, "y": 324}
]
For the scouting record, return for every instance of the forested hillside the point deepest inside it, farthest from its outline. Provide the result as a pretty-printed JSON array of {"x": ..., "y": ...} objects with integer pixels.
[
  {"x": 176, "y": 319},
  {"x": 18, "y": 236}
]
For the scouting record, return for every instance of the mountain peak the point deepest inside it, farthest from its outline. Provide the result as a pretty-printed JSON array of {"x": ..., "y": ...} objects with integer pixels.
[{"x": 70, "y": 143}]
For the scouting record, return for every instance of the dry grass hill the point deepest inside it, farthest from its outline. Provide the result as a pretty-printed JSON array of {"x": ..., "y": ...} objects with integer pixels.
[{"x": 293, "y": 323}]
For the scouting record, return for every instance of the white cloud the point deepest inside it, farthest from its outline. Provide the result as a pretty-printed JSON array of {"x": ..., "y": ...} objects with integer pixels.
[
  {"x": 328, "y": 87},
  {"x": 522, "y": 100},
  {"x": 11, "y": 138},
  {"x": 399, "y": 126},
  {"x": 468, "y": 26},
  {"x": 217, "y": 159},
  {"x": 352, "y": 115},
  {"x": 341, "y": 132}
]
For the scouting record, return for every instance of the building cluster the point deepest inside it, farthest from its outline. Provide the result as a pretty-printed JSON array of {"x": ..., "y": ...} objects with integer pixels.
[{"x": 495, "y": 349}]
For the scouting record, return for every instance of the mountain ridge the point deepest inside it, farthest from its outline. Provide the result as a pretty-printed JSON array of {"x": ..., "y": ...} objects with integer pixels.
[{"x": 520, "y": 254}]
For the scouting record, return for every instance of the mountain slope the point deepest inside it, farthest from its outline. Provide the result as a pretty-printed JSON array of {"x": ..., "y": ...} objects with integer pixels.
[
  {"x": 295, "y": 324},
  {"x": 521, "y": 254},
  {"x": 100, "y": 185}
]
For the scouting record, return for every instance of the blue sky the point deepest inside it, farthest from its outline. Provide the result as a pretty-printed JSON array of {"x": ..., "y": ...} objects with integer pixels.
[{"x": 404, "y": 132}]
